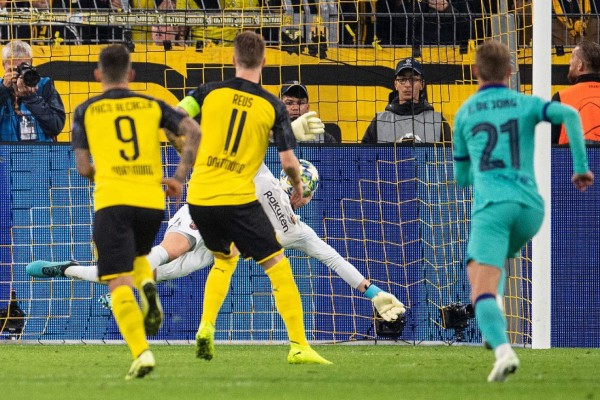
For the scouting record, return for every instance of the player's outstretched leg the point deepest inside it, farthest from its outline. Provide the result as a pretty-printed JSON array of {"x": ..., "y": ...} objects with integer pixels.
[
  {"x": 205, "y": 341},
  {"x": 305, "y": 355},
  {"x": 151, "y": 307},
  {"x": 506, "y": 363},
  {"x": 141, "y": 366},
  {"x": 48, "y": 269}
]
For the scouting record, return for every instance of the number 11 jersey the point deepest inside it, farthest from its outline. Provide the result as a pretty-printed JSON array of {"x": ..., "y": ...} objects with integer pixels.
[{"x": 236, "y": 117}]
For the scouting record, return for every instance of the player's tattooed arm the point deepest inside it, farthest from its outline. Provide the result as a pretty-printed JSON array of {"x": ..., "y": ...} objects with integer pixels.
[
  {"x": 176, "y": 141},
  {"x": 190, "y": 130}
]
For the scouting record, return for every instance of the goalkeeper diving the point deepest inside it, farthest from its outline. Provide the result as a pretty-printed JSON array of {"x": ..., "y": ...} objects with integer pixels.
[{"x": 182, "y": 249}]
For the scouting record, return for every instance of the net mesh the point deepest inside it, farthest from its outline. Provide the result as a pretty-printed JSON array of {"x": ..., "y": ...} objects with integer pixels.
[{"x": 392, "y": 210}]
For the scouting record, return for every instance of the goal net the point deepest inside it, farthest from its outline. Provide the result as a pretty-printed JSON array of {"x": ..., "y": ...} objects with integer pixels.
[{"x": 392, "y": 210}]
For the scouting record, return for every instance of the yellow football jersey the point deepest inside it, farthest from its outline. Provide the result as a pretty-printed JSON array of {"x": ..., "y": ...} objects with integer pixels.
[
  {"x": 214, "y": 35},
  {"x": 122, "y": 129},
  {"x": 236, "y": 118}
]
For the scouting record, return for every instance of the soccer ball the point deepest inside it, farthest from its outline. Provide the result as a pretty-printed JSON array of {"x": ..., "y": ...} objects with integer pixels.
[{"x": 309, "y": 175}]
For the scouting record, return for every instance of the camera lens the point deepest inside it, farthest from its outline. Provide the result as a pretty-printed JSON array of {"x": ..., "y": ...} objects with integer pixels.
[
  {"x": 29, "y": 74},
  {"x": 31, "y": 77}
]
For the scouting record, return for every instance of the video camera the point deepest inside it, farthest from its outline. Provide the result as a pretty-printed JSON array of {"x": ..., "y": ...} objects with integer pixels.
[
  {"x": 12, "y": 319},
  {"x": 456, "y": 316},
  {"x": 31, "y": 77}
]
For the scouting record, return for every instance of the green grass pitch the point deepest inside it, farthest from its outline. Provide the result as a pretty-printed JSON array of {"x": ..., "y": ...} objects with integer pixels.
[{"x": 89, "y": 372}]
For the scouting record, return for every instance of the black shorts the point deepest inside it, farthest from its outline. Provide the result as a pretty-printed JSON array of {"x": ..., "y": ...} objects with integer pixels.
[
  {"x": 246, "y": 225},
  {"x": 122, "y": 233}
]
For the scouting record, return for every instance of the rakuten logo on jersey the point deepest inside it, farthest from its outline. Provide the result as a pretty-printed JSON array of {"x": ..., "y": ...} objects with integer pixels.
[{"x": 274, "y": 204}]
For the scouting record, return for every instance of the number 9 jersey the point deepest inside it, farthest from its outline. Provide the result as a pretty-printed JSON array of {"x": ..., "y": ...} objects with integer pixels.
[
  {"x": 236, "y": 117},
  {"x": 122, "y": 131}
]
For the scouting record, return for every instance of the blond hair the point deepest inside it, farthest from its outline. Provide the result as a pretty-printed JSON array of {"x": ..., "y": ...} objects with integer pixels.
[
  {"x": 493, "y": 61},
  {"x": 249, "y": 49}
]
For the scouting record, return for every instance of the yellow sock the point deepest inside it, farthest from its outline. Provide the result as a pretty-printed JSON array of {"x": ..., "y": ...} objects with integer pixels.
[
  {"x": 129, "y": 319},
  {"x": 217, "y": 287},
  {"x": 287, "y": 300},
  {"x": 141, "y": 271}
]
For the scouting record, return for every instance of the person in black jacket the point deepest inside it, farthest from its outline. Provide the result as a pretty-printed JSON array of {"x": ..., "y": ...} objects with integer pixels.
[
  {"x": 426, "y": 22},
  {"x": 408, "y": 116}
]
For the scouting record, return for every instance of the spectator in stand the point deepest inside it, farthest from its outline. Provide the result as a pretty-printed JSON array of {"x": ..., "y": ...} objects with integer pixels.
[
  {"x": 574, "y": 21},
  {"x": 82, "y": 33},
  {"x": 408, "y": 117},
  {"x": 30, "y": 107},
  {"x": 295, "y": 97},
  {"x": 203, "y": 36},
  {"x": 446, "y": 22},
  {"x": 24, "y": 30},
  {"x": 430, "y": 22},
  {"x": 584, "y": 96}
]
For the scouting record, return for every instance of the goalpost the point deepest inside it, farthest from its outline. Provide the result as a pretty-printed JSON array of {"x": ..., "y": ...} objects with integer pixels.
[{"x": 542, "y": 273}]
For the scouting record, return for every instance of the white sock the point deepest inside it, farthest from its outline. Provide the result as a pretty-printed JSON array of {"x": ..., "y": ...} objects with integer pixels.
[
  {"x": 502, "y": 350},
  {"x": 158, "y": 256},
  {"x": 89, "y": 274}
]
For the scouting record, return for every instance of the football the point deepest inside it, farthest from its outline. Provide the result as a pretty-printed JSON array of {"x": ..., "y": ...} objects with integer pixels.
[{"x": 310, "y": 179}]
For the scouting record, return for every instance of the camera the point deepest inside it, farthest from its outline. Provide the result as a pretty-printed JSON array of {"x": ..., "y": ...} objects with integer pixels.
[
  {"x": 456, "y": 316},
  {"x": 31, "y": 77},
  {"x": 12, "y": 319},
  {"x": 391, "y": 329}
]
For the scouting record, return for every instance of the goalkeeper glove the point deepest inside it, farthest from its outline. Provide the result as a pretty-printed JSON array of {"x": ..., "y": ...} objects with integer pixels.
[
  {"x": 307, "y": 126},
  {"x": 388, "y": 306}
]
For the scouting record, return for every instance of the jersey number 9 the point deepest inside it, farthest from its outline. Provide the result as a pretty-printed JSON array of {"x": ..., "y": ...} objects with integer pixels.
[{"x": 126, "y": 133}]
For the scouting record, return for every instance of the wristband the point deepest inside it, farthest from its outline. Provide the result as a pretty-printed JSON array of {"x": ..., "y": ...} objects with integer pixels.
[{"x": 372, "y": 291}]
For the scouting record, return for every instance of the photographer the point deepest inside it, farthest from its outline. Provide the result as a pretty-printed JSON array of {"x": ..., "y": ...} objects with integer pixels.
[{"x": 30, "y": 107}]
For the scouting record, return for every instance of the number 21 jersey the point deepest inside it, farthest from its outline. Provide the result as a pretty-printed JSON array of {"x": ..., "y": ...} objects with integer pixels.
[{"x": 495, "y": 130}]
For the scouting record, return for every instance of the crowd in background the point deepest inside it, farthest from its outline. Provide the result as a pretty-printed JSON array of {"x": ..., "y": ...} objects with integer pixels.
[{"x": 368, "y": 23}]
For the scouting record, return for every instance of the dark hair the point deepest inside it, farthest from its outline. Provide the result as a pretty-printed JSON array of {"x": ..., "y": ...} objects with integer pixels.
[
  {"x": 493, "y": 61},
  {"x": 249, "y": 49},
  {"x": 114, "y": 62},
  {"x": 589, "y": 53}
]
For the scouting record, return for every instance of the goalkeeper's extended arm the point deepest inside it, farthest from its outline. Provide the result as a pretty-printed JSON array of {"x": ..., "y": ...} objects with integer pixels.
[
  {"x": 307, "y": 126},
  {"x": 386, "y": 304}
]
